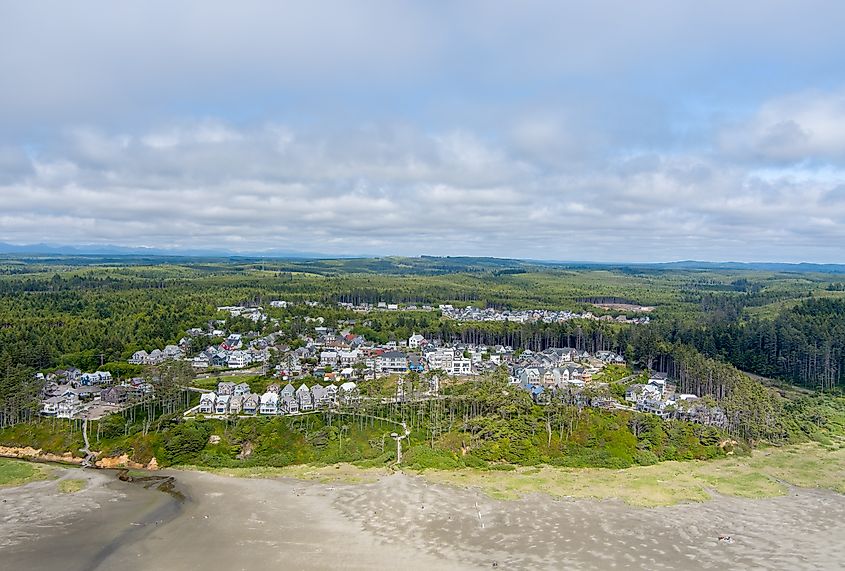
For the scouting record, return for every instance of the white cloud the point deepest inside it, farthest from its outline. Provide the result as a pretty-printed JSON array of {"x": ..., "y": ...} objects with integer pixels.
[
  {"x": 804, "y": 127},
  {"x": 394, "y": 190}
]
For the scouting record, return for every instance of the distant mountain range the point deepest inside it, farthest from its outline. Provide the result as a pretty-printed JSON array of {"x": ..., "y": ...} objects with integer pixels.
[
  {"x": 112, "y": 250},
  {"x": 766, "y": 266},
  {"x": 800, "y": 267},
  {"x": 141, "y": 251}
]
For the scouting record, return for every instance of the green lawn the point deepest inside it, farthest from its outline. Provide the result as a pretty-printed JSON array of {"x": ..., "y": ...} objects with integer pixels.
[
  {"x": 71, "y": 486},
  {"x": 18, "y": 472}
]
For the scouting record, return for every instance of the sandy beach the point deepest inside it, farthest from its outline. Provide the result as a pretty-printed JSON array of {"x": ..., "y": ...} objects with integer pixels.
[{"x": 401, "y": 522}]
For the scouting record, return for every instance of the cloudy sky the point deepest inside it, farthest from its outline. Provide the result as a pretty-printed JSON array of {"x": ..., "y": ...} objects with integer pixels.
[{"x": 602, "y": 130}]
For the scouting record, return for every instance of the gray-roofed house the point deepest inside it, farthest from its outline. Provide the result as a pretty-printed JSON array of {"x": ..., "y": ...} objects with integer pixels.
[
  {"x": 251, "y": 404},
  {"x": 225, "y": 388},
  {"x": 236, "y": 404},
  {"x": 303, "y": 395},
  {"x": 207, "y": 403}
]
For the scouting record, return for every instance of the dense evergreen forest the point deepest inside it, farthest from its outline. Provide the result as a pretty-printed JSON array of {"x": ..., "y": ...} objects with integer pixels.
[{"x": 804, "y": 344}]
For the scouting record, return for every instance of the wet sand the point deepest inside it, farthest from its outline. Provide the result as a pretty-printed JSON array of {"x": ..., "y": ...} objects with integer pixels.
[
  {"x": 406, "y": 523},
  {"x": 43, "y": 528}
]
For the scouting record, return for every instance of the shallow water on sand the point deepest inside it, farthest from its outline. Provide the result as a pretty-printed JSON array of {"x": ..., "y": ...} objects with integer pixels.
[
  {"x": 403, "y": 522},
  {"x": 43, "y": 528}
]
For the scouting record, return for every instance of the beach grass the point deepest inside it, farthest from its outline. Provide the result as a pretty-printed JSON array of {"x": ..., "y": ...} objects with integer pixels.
[
  {"x": 72, "y": 486},
  {"x": 767, "y": 473},
  {"x": 19, "y": 472},
  {"x": 333, "y": 473}
]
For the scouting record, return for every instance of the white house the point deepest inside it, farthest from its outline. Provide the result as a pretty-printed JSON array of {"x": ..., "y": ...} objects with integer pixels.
[
  {"x": 269, "y": 403},
  {"x": 303, "y": 395},
  {"x": 392, "y": 362},
  {"x": 415, "y": 340},
  {"x": 347, "y": 358},
  {"x": 348, "y": 391},
  {"x": 69, "y": 407},
  {"x": 441, "y": 358},
  {"x": 139, "y": 358},
  {"x": 95, "y": 378},
  {"x": 460, "y": 367},
  {"x": 172, "y": 352},
  {"x": 207, "y": 403},
  {"x": 50, "y": 406},
  {"x": 237, "y": 360}
]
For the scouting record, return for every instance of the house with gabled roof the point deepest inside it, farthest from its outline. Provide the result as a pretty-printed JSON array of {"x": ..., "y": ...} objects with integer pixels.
[
  {"x": 251, "y": 404},
  {"x": 222, "y": 404},
  {"x": 303, "y": 395},
  {"x": 319, "y": 396},
  {"x": 269, "y": 403},
  {"x": 207, "y": 403},
  {"x": 288, "y": 404},
  {"x": 139, "y": 358},
  {"x": 348, "y": 391},
  {"x": 69, "y": 407},
  {"x": 392, "y": 362},
  {"x": 115, "y": 395}
]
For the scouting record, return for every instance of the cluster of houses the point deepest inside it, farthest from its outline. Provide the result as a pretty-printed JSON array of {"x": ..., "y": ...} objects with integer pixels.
[
  {"x": 563, "y": 374},
  {"x": 158, "y": 356},
  {"x": 237, "y": 399},
  {"x": 255, "y": 314},
  {"x": 557, "y": 367},
  {"x": 70, "y": 393},
  {"x": 341, "y": 358},
  {"x": 470, "y": 313},
  {"x": 347, "y": 356},
  {"x": 659, "y": 397},
  {"x": 352, "y": 356},
  {"x": 383, "y": 306},
  {"x": 230, "y": 354}
]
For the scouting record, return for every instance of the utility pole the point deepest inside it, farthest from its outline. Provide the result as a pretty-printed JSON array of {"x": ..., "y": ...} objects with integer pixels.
[{"x": 398, "y": 439}]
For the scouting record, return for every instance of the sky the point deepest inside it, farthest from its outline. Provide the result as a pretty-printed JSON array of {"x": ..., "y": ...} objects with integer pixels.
[{"x": 610, "y": 131}]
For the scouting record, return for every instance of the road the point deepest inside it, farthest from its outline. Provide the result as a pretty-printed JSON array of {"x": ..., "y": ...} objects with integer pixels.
[
  {"x": 231, "y": 373},
  {"x": 625, "y": 379}
]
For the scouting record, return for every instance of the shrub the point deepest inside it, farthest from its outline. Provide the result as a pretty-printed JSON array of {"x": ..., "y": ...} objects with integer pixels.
[
  {"x": 422, "y": 457},
  {"x": 183, "y": 441},
  {"x": 645, "y": 458}
]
